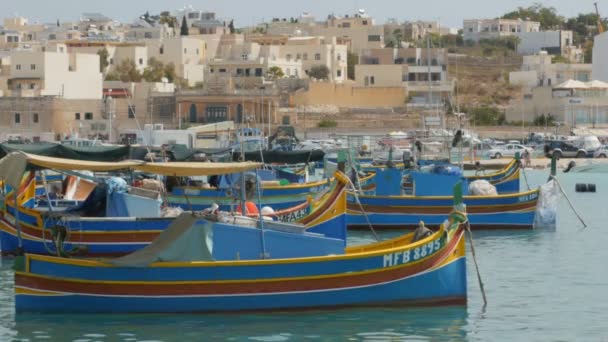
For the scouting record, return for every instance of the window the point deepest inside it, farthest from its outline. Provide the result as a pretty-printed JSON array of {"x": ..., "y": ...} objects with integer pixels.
[
  {"x": 131, "y": 112},
  {"x": 346, "y": 25},
  {"x": 222, "y": 70},
  {"x": 339, "y": 57},
  {"x": 148, "y": 35},
  {"x": 298, "y": 56},
  {"x": 364, "y": 22},
  {"x": 373, "y": 38},
  {"x": 211, "y": 70},
  {"x": 18, "y": 86},
  {"x": 305, "y": 56},
  {"x": 17, "y": 118},
  {"x": 185, "y": 50},
  {"x": 258, "y": 72},
  {"x": 111, "y": 60},
  {"x": 339, "y": 73},
  {"x": 193, "y": 15},
  {"x": 470, "y": 29},
  {"x": 372, "y": 80},
  {"x": 239, "y": 72},
  {"x": 141, "y": 61},
  {"x": 32, "y": 85},
  {"x": 247, "y": 72},
  {"x": 77, "y": 116},
  {"x": 52, "y": 36},
  {"x": 18, "y": 66},
  {"x": 244, "y": 56},
  {"x": 288, "y": 57},
  {"x": 35, "y": 118},
  {"x": 88, "y": 116},
  {"x": 317, "y": 56},
  {"x": 197, "y": 51},
  {"x": 162, "y": 50}
]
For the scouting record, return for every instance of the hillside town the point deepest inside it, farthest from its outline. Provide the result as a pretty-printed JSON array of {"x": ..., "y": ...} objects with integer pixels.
[{"x": 96, "y": 78}]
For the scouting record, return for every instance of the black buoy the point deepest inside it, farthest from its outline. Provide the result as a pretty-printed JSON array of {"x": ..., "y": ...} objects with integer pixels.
[{"x": 584, "y": 187}]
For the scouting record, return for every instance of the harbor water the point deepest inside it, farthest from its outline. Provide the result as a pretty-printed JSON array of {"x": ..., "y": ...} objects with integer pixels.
[{"x": 541, "y": 286}]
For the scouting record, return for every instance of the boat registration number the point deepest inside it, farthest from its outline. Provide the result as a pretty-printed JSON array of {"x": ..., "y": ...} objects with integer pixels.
[
  {"x": 528, "y": 197},
  {"x": 411, "y": 255}
]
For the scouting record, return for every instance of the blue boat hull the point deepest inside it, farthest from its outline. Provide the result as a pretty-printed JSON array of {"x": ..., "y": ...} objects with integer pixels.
[{"x": 444, "y": 285}]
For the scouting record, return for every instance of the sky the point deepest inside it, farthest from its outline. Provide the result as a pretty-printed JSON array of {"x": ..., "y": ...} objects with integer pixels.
[{"x": 247, "y": 12}]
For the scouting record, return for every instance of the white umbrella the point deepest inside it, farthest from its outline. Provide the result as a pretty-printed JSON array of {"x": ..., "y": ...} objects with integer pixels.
[
  {"x": 595, "y": 84},
  {"x": 572, "y": 84}
]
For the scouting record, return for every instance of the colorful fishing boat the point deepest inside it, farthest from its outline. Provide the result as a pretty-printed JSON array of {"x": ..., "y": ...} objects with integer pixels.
[
  {"x": 118, "y": 235},
  {"x": 389, "y": 208},
  {"x": 510, "y": 211},
  {"x": 395, "y": 272}
]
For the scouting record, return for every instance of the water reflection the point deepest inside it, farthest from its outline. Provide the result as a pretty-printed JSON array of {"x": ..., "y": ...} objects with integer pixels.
[{"x": 409, "y": 324}]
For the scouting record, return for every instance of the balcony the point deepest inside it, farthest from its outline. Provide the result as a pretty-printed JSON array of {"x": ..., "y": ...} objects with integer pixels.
[
  {"x": 423, "y": 86},
  {"x": 420, "y": 69}
]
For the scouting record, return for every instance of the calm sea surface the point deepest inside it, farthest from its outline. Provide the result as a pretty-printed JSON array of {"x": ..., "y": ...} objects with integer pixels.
[{"x": 541, "y": 286}]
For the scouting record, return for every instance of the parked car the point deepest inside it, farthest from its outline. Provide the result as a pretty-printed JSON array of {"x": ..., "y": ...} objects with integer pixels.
[
  {"x": 508, "y": 150},
  {"x": 561, "y": 148},
  {"x": 601, "y": 152}
]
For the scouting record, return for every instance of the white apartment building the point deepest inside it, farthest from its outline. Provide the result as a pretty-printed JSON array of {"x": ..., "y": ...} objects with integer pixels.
[
  {"x": 600, "y": 56},
  {"x": 408, "y": 68},
  {"x": 248, "y": 63},
  {"x": 531, "y": 39},
  {"x": 186, "y": 53},
  {"x": 70, "y": 76},
  {"x": 117, "y": 52},
  {"x": 314, "y": 51},
  {"x": 554, "y": 42},
  {"x": 295, "y": 58},
  {"x": 476, "y": 29},
  {"x": 538, "y": 70},
  {"x": 356, "y": 31}
]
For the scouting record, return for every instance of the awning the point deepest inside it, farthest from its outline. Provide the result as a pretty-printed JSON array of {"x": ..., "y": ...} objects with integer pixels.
[
  {"x": 196, "y": 168},
  {"x": 13, "y": 163},
  {"x": 80, "y": 165}
]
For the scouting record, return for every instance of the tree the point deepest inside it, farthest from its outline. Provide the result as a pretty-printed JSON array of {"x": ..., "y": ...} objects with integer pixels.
[
  {"x": 103, "y": 59},
  {"x": 327, "y": 123},
  {"x": 184, "y": 29},
  {"x": 275, "y": 72},
  {"x": 231, "y": 27},
  {"x": 58, "y": 24},
  {"x": 320, "y": 72},
  {"x": 547, "y": 16},
  {"x": 170, "y": 73},
  {"x": 167, "y": 18},
  {"x": 485, "y": 116},
  {"x": 352, "y": 59},
  {"x": 155, "y": 70},
  {"x": 126, "y": 71}
]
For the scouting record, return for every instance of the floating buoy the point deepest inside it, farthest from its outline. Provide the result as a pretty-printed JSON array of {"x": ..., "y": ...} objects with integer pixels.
[{"x": 584, "y": 187}]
